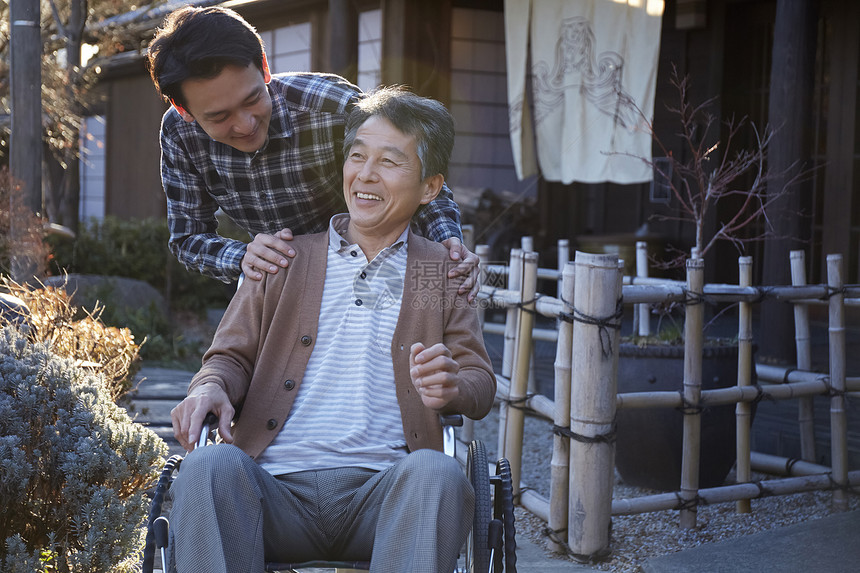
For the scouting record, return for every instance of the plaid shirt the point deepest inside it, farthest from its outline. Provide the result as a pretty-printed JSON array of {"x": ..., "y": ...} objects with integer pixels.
[{"x": 295, "y": 181}]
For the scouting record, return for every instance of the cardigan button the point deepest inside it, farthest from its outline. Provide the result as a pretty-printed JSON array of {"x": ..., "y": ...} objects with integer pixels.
[
  {"x": 306, "y": 340},
  {"x": 289, "y": 384},
  {"x": 271, "y": 424}
]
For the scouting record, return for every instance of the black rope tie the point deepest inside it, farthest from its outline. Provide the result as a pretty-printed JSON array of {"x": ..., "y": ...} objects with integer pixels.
[
  {"x": 603, "y": 325},
  {"x": 688, "y": 408},
  {"x": 607, "y": 438},
  {"x": 693, "y": 298},
  {"x": 763, "y": 293},
  {"x": 519, "y": 403},
  {"x": 761, "y": 395},
  {"x": 788, "y": 372},
  {"x": 833, "y": 291},
  {"x": 843, "y": 487},
  {"x": 762, "y": 491},
  {"x": 556, "y": 536},
  {"x": 789, "y": 465},
  {"x": 689, "y": 504},
  {"x": 522, "y": 305},
  {"x": 517, "y": 498}
]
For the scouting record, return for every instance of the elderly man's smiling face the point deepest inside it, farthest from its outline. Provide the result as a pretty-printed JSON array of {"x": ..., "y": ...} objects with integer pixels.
[{"x": 382, "y": 181}]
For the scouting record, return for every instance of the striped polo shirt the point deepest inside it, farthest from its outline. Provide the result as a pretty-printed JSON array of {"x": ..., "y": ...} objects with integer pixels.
[{"x": 346, "y": 412}]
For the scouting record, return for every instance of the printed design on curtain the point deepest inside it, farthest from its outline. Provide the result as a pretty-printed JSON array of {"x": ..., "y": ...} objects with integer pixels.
[{"x": 598, "y": 78}]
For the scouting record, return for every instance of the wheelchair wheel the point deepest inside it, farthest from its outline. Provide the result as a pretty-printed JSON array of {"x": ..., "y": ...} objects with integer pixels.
[
  {"x": 477, "y": 550},
  {"x": 503, "y": 510}
]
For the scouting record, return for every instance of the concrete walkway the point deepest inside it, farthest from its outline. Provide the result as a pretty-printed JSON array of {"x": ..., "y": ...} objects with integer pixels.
[{"x": 830, "y": 544}]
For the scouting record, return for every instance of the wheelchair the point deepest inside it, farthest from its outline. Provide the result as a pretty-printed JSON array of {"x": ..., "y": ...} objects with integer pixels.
[{"x": 490, "y": 546}]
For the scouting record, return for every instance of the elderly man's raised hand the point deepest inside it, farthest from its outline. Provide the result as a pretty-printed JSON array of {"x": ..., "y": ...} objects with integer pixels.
[
  {"x": 434, "y": 374},
  {"x": 267, "y": 254},
  {"x": 188, "y": 415}
]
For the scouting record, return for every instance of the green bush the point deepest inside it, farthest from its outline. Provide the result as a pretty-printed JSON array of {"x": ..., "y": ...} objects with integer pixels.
[
  {"x": 136, "y": 249},
  {"x": 74, "y": 467}
]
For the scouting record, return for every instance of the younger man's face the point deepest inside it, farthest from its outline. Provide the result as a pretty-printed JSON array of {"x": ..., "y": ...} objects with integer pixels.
[{"x": 234, "y": 107}]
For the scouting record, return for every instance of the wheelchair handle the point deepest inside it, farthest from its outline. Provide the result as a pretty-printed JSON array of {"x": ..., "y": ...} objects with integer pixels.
[{"x": 209, "y": 421}]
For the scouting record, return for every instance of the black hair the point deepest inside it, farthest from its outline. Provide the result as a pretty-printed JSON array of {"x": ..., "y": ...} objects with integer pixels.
[{"x": 198, "y": 43}]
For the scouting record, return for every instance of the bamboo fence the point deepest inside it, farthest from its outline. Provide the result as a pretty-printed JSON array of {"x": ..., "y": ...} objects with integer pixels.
[{"x": 585, "y": 401}]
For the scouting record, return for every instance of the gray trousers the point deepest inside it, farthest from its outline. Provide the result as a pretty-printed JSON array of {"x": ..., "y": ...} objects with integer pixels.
[{"x": 229, "y": 515}]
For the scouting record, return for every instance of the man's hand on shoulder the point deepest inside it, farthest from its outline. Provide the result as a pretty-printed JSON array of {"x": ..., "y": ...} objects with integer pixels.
[
  {"x": 468, "y": 267},
  {"x": 267, "y": 254},
  {"x": 434, "y": 374}
]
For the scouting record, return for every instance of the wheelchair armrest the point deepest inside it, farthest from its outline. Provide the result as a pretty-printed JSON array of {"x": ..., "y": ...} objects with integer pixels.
[{"x": 449, "y": 441}]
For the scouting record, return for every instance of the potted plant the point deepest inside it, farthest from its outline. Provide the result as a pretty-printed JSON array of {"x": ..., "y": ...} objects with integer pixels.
[{"x": 706, "y": 173}]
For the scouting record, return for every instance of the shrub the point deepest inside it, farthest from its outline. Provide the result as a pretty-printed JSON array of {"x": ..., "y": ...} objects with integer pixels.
[
  {"x": 74, "y": 466},
  {"x": 109, "y": 351},
  {"x": 136, "y": 249}
]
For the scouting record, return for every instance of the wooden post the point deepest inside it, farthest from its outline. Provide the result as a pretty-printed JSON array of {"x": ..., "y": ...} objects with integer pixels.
[
  {"x": 467, "y": 432},
  {"x": 515, "y": 270},
  {"x": 592, "y": 408},
  {"x": 643, "y": 310},
  {"x": 528, "y": 245},
  {"x": 563, "y": 259},
  {"x": 805, "y": 405},
  {"x": 25, "y": 152},
  {"x": 560, "y": 463},
  {"x": 695, "y": 312},
  {"x": 520, "y": 380},
  {"x": 838, "y": 420},
  {"x": 743, "y": 410}
]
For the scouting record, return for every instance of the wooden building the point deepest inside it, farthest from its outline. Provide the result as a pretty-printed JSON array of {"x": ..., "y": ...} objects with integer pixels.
[{"x": 454, "y": 50}]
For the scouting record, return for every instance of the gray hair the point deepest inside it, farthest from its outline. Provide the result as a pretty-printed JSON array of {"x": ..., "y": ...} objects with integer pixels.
[{"x": 427, "y": 120}]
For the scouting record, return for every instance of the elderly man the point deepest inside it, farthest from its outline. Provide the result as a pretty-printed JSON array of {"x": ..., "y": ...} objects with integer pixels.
[{"x": 341, "y": 366}]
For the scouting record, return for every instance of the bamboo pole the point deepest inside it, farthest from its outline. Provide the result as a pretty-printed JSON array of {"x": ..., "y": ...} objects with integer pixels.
[
  {"x": 520, "y": 380},
  {"x": 467, "y": 432},
  {"x": 806, "y": 405},
  {"x": 743, "y": 410},
  {"x": 726, "y": 493},
  {"x": 528, "y": 245},
  {"x": 560, "y": 463},
  {"x": 813, "y": 385},
  {"x": 838, "y": 421},
  {"x": 637, "y": 290},
  {"x": 509, "y": 348},
  {"x": 592, "y": 408},
  {"x": 778, "y": 465},
  {"x": 537, "y": 404},
  {"x": 563, "y": 259},
  {"x": 694, "y": 321},
  {"x": 642, "y": 309}
]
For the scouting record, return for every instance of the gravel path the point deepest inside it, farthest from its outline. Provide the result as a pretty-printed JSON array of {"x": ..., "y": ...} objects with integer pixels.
[{"x": 638, "y": 537}]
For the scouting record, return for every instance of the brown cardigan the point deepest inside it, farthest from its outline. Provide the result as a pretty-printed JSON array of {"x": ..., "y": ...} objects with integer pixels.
[{"x": 263, "y": 344}]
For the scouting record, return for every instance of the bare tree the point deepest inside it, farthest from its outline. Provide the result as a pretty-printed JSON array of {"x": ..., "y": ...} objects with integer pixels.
[
  {"x": 67, "y": 27},
  {"x": 715, "y": 172}
]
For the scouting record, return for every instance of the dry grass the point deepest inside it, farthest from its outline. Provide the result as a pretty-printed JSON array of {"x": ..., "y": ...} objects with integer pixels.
[{"x": 108, "y": 350}]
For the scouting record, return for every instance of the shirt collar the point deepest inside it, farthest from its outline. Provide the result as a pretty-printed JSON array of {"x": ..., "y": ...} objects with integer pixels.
[
  {"x": 279, "y": 124},
  {"x": 337, "y": 229}
]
